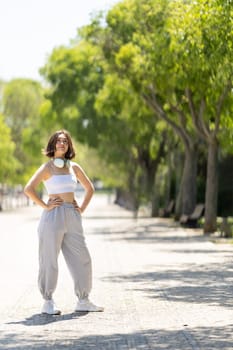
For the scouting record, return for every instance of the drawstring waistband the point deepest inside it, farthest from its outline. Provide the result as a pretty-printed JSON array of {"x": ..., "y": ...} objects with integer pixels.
[{"x": 67, "y": 205}]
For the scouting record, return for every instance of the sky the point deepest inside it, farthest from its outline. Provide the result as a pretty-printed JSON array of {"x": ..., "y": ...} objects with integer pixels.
[{"x": 31, "y": 29}]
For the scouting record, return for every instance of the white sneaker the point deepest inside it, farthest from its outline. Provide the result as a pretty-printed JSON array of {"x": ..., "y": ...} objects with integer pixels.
[
  {"x": 87, "y": 305},
  {"x": 50, "y": 308}
]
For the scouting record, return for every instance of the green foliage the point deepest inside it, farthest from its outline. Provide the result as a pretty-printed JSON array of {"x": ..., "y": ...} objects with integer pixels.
[
  {"x": 7, "y": 147},
  {"x": 226, "y": 134},
  {"x": 201, "y": 41},
  {"x": 150, "y": 59},
  {"x": 97, "y": 168},
  {"x": 76, "y": 75},
  {"x": 21, "y": 103}
]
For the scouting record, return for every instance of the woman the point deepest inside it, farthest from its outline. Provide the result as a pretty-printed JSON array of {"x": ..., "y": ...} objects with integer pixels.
[{"x": 60, "y": 226}]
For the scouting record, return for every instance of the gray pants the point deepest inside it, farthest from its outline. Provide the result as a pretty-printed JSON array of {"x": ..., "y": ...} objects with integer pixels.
[{"x": 61, "y": 229}]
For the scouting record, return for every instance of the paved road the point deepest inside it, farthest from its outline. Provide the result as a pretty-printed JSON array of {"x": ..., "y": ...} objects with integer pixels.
[{"x": 163, "y": 287}]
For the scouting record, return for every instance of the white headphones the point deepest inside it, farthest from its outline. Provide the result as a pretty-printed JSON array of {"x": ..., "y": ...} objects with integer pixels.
[{"x": 61, "y": 163}]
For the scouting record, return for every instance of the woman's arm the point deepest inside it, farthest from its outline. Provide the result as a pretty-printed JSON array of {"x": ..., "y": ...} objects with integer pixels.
[
  {"x": 30, "y": 189},
  {"x": 87, "y": 185}
]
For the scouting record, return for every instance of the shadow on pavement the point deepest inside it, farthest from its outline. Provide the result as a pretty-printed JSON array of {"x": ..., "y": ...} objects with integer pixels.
[
  {"x": 134, "y": 231},
  {"x": 43, "y": 319},
  {"x": 160, "y": 232},
  {"x": 185, "y": 280},
  {"x": 193, "y": 284},
  {"x": 173, "y": 339}
]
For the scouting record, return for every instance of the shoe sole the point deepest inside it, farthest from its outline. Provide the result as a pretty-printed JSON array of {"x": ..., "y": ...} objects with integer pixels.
[{"x": 55, "y": 313}]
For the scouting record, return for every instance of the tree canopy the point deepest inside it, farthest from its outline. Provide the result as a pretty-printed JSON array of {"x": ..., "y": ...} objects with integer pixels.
[
  {"x": 153, "y": 63},
  {"x": 21, "y": 103}
]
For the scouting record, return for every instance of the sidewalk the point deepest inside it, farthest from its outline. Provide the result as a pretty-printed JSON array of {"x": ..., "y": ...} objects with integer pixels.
[{"x": 163, "y": 287}]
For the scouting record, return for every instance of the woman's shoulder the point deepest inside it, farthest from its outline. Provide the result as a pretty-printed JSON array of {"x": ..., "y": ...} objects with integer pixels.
[
  {"x": 46, "y": 166},
  {"x": 76, "y": 167},
  {"x": 74, "y": 164},
  {"x": 45, "y": 169}
]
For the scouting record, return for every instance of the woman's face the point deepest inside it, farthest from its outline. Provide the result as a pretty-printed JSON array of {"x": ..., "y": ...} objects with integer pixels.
[{"x": 61, "y": 146}]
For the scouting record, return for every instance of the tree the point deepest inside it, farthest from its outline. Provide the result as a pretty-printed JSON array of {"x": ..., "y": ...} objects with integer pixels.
[
  {"x": 75, "y": 74},
  {"x": 143, "y": 142},
  {"x": 104, "y": 110},
  {"x": 178, "y": 56},
  {"x": 21, "y": 107},
  {"x": 172, "y": 58},
  {"x": 8, "y": 163},
  {"x": 138, "y": 43},
  {"x": 202, "y": 41}
]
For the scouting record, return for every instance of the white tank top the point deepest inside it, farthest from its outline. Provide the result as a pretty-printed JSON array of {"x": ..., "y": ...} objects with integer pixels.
[{"x": 61, "y": 184}]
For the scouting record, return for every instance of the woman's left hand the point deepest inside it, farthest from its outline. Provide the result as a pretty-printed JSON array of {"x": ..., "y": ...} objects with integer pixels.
[{"x": 76, "y": 206}]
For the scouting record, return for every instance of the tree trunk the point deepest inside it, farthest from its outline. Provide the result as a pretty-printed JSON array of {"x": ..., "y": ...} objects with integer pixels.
[
  {"x": 167, "y": 194},
  {"x": 154, "y": 204},
  {"x": 188, "y": 183},
  {"x": 151, "y": 187},
  {"x": 149, "y": 167},
  {"x": 178, "y": 198},
  {"x": 211, "y": 196},
  {"x": 178, "y": 206}
]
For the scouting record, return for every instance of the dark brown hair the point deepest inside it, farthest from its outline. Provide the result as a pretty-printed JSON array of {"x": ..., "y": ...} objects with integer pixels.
[{"x": 50, "y": 149}]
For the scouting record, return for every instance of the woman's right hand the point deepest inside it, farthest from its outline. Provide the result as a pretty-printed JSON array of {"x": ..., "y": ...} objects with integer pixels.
[{"x": 54, "y": 202}]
